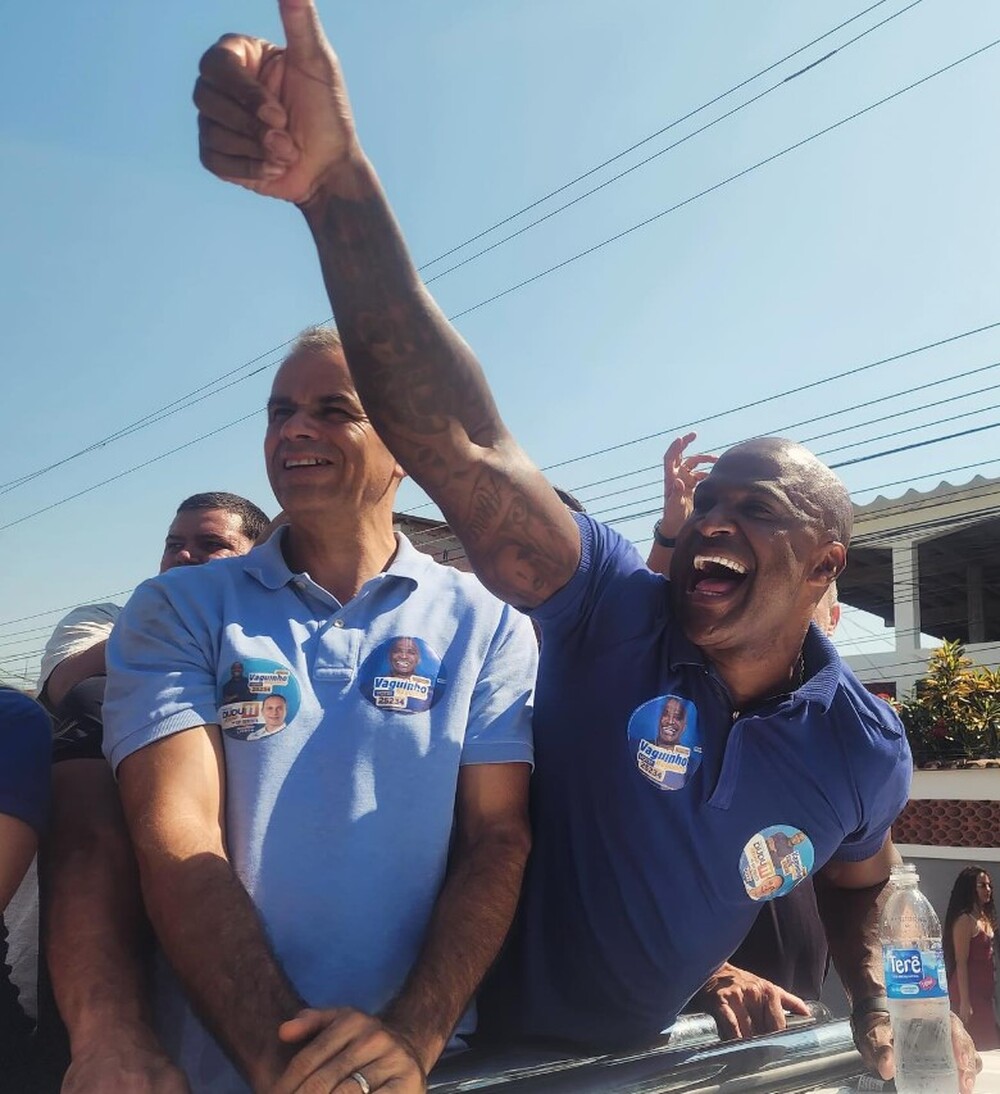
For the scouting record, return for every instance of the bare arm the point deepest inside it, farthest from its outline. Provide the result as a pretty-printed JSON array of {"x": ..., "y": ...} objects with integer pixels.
[
  {"x": 97, "y": 939},
  {"x": 173, "y": 793},
  {"x": 470, "y": 921},
  {"x": 420, "y": 383},
  {"x": 74, "y": 669},
  {"x": 962, "y": 931}
]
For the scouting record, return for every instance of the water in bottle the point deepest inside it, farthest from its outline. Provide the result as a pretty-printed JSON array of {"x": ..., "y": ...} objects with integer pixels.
[{"x": 917, "y": 990}]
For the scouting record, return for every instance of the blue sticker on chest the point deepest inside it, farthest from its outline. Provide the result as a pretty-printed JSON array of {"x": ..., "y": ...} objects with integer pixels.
[
  {"x": 775, "y": 860},
  {"x": 665, "y": 741},
  {"x": 403, "y": 675},
  {"x": 258, "y": 698}
]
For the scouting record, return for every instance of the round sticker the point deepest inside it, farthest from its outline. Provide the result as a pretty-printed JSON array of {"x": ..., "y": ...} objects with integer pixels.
[
  {"x": 775, "y": 861},
  {"x": 403, "y": 675},
  {"x": 257, "y": 699},
  {"x": 666, "y": 740}
]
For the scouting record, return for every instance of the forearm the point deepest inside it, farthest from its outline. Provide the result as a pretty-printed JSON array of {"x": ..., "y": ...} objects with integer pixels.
[
  {"x": 96, "y": 935},
  {"x": 70, "y": 671},
  {"x": 962, "y": 977},
  {"x": 213, "y": 938},
  {"x": 419, "y": 381},
  {"x": 470, "y": 921},
  {"x": 851, "y": 919}
]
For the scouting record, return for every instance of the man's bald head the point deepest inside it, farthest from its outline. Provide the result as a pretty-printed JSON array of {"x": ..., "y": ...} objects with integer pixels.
[{"x": 816, "y": 490}]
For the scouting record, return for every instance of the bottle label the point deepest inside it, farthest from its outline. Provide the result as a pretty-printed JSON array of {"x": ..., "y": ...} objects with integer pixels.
[{"x": 914, "y": 974}]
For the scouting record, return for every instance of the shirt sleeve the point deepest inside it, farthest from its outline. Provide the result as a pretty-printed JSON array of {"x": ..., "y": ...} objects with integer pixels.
[
  {"x": 883, "y": 782},
  {"x": 82, "y": 628},
  {"x": 161, "y": 673},
  {"x": 25, "y": 750},
  {"x": 499, "y": 729}
]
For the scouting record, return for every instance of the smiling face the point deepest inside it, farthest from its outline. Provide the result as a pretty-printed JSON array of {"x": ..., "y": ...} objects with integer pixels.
[
  {"x": 274, "y": 708},
  {"x": 673, "y": 719},
  {"x": 757, "y": 552},
  {"x": 404, "y": 656},
  {"x": 320, "y": 447},
  {"x": 199, "y": 535}
]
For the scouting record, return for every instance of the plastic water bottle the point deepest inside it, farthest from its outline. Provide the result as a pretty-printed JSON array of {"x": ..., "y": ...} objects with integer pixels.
[{"x": 917, "y": 990}]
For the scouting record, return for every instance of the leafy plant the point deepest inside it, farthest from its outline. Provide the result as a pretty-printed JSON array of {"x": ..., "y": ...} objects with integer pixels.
[{"x": 953, "y": 714}]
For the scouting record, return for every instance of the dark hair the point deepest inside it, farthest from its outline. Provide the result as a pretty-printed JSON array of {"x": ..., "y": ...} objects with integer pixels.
[
  {"x": 254, "y": 519},
  {"x": 961, "y": 902}
]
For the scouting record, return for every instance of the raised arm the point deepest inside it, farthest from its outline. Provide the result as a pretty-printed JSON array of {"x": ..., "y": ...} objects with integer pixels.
[
  {"x": 279, "y": 122},
  {"x": 173, "y": 793},
  {"x": 681, "y": 474}
]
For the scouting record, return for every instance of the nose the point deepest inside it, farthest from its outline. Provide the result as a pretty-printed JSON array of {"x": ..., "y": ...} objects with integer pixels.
[
  {"x": 184, "y": 557},
  {"x": 299, "y": 425},
  {"x": 716, "y": 521}
]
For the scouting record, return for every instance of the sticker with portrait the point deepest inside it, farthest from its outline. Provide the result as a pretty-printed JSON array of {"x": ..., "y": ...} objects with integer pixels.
[
  {"x": 665, "y": 739},
  {"x": 775, "y": 860},
  {"x": 403, "y": 674},
  {"x": 257, "y": 698}
]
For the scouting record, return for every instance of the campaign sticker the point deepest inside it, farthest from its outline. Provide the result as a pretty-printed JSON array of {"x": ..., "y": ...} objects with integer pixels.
[
  {"x": 403, "y": 675},
  {"x": 257, "y": 699},
  {"x": 775, "y": 861},
  {"x": 666, "y": 741}
]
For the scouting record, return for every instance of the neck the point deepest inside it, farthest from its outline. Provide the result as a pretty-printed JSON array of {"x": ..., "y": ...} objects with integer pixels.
[
  {"x": 340, "y": 555},
  {"x": 753, "y": 676}
]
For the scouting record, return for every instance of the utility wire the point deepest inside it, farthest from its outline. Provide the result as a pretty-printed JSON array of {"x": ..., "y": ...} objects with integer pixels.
[{"x": 173, "y": 407}]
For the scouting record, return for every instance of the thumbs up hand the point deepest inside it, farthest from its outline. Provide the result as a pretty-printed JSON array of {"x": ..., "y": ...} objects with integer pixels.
[{"x": 275, "y": 120}]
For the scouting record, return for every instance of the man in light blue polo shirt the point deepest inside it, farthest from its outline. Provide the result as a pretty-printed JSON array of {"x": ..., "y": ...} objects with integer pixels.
[{"x": 314, "y": 838}]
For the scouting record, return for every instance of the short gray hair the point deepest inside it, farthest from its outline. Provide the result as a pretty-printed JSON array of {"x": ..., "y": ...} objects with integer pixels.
[{"x": 317, "y": 339}]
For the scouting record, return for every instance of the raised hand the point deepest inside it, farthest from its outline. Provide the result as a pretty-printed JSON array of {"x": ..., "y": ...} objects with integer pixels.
[
  {"x": 681, "y": 474},
  {"x": 275, "y": 119}
]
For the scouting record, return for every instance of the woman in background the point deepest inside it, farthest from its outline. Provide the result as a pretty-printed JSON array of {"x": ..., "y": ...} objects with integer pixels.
[{"x": 969, "y": 937}]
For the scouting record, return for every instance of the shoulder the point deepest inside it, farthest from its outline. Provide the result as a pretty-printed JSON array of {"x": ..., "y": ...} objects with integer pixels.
[
  {"x": 20, "y": 713},
  {"x": 84, "y": 614}
]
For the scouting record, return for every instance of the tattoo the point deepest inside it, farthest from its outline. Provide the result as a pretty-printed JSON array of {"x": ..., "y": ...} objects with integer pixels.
[{"x": 425, "y": 393}]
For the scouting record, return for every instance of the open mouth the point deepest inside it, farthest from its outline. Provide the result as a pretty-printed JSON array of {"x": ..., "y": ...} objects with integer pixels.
[{"x": 716, "y": 575}]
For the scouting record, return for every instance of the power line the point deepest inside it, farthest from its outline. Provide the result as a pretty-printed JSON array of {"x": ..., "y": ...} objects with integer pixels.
[
  {"x": 725, "y": 182},
  {"x": 663, "y": 151},
  {"x": 203, "y": 391}
]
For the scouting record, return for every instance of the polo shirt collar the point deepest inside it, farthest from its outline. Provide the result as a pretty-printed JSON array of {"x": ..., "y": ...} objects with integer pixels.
[
  {"x": 266, "y": 563},
  {"x": 822, "y": 663}
]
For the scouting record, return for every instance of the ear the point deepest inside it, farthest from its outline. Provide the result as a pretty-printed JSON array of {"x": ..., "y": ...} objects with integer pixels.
[{"x": 831, "y": 563}]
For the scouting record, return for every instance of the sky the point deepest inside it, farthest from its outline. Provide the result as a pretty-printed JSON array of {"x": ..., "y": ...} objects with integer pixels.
[{"x": 132, "y": 278}]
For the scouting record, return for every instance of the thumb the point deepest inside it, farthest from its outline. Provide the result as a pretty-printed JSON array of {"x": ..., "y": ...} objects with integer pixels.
[
  {"x": 794, "y": 1004},
  {"x": 304, "y": 37},
  {"x": 306, "y": 1023}
]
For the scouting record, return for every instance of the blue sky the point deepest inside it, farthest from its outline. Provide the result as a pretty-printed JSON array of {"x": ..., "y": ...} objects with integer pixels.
[{"x": 132, "y": 278}]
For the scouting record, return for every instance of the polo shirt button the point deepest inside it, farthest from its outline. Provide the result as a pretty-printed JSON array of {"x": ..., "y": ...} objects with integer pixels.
[{"x": 338, "y": 622}]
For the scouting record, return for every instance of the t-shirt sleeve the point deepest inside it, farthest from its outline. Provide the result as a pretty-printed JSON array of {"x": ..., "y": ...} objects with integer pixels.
[
  {"x": 883, "y": 782},
  {"x": 608, "y": 565},
  {"x": 82, "y": 628},
  {"x": 499, "y": 729},
  {"x": 161, "y": 674},
  {"x": 25, "y": 765}
]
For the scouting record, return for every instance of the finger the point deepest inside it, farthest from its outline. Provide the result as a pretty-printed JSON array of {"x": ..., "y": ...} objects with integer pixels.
[
  {"x": 304, "y": 35},
  {"x": 219, "y": 107},
  {"x": 240, "y": 168},
  {"x": 772, "y": 1012},
  {"x": 794, "y": 1003},
  {"x": 726, "y": 1020},
  {"x": 691, "y": 462},
  {"x": 216, "y": 138},
  {"x": 307, "y": 1023},
  {"x": 231, "y": 67},
  {"x": 339, "y": 1042},
  {"x": 672, "y": 458}
]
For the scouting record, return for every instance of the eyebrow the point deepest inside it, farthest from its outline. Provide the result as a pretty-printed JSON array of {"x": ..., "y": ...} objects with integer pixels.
[{"x": 323, "y": 400}]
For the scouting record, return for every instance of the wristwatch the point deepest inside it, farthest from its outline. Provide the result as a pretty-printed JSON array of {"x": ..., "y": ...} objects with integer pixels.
[{"x": 661, "y": 539}]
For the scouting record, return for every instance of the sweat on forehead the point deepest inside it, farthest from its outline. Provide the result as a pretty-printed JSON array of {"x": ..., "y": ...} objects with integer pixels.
[{"x": 804, "y": 477}]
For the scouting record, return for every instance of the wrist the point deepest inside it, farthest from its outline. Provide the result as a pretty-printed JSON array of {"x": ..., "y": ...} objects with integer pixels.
[
  {"x": 667, "y": 542},
  {"x": 350, "y": 177}
]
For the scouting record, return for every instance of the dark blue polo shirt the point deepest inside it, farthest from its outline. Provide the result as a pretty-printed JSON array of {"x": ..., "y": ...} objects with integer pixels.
[
  {"x": 25, "y": 758},
  {"x": 650, "y": 859}
]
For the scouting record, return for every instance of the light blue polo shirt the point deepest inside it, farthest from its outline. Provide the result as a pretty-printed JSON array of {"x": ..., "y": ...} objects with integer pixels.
[{"x": 344, "y": 728}]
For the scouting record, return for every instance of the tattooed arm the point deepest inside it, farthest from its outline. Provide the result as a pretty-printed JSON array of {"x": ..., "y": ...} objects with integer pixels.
[{"x": 278, "y": 121}]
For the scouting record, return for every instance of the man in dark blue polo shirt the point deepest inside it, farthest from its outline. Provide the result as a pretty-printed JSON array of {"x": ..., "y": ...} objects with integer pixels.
[{"x": 637, "y": 891}]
